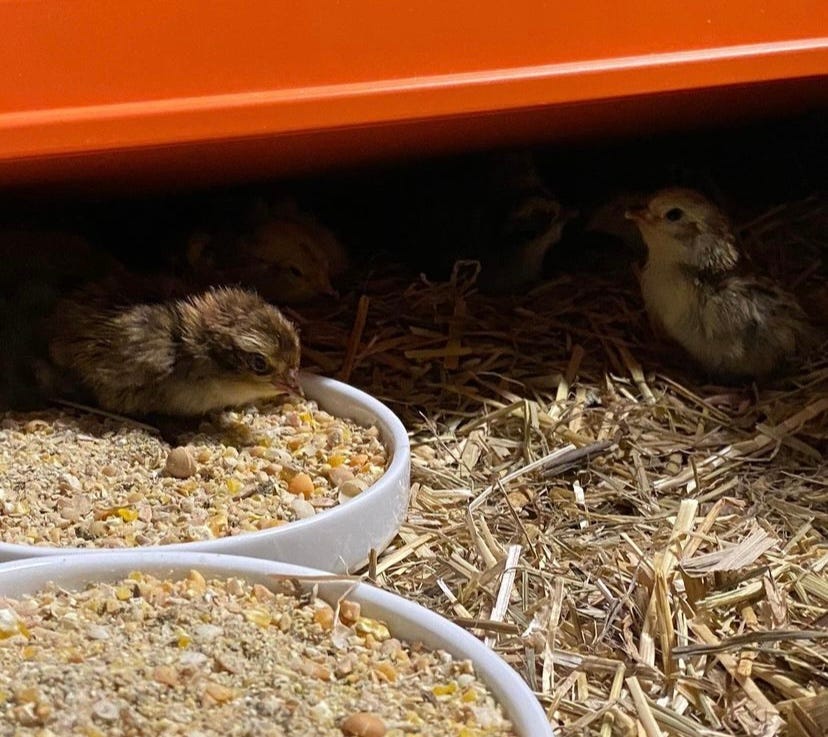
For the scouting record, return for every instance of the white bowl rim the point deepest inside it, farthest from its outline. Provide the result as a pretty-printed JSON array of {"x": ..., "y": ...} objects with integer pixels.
[
  {"x": 313, "y": 382},
  {"x": 515, "y": 698}
]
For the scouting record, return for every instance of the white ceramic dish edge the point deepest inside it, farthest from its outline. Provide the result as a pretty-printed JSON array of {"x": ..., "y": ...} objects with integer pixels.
[
  {"x": 405, "y": 619},
  {"x": 337, "y": 540}
]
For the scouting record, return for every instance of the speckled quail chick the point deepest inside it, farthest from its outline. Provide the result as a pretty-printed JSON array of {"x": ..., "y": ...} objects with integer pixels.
[
  {"x": 698, "y": 288},
  {"x": 277, "y": 249},
  {"x": 178, "y": 356}
]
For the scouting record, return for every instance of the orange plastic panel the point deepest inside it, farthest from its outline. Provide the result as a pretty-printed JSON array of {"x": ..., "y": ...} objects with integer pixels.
[{"x": 99, "y": 77}]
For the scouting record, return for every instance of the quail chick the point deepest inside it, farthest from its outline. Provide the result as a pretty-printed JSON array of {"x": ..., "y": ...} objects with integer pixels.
[
  {"x": 493, "y": 209},
  {"x": 696, "y": 288},
  {"x": 219, "y": 348},
  {"x": 280, "y": 251},
  {"x": 532, "y": 225}
]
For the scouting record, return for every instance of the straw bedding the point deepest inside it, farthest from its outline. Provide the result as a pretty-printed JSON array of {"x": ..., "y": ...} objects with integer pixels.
[{"x": 648, "y": 550}]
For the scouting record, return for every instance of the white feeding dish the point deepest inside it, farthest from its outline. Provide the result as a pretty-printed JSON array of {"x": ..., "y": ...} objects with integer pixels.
[
  {"x": 339, "y": 539},
  {"x": 405, "y": 620}
]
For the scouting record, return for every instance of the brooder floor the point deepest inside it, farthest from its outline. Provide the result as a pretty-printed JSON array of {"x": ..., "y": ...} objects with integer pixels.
[{"x": 649, "y": 551}]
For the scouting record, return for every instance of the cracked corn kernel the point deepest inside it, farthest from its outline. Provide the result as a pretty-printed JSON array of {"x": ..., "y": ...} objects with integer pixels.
[
  {"x": 365, "y": 626},
  {"x": 316, "y": 670},
  {"x": 28, "y": 652},
  {"x": 302, "y": 484},
  {"x": 445, "y": 689},
  {"x": 260, "y": 617},
  {"x": 127, "y": 514},
  {"x": 27, "y": 695},
  {"x": 11, "y": 625},
  {"x": 324, "y": 616},
  {"x": 296, "y": 443},
  {"x": 217, "y": 524},
  {"x": 349, "y": 611},
  {"x": 233, "y": 485},
  {"x": 262, "y": 593},
  {"x": 268, "y": 523},
  {"x": 196, "y": 583},
  {"x": 386, "y": 671}
]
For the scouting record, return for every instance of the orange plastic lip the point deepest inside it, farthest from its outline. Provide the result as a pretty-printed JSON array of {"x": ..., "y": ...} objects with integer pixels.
[{"x": 93, "y": 76}]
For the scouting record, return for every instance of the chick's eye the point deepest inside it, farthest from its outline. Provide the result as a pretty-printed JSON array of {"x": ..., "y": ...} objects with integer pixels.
[
  {"x": 296, "y": 271},
  {"x": 675, "y": 214},
  {"x": 258, "y": 364}
]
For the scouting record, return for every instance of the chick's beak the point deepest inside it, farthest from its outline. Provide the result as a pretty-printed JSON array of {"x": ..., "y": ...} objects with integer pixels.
[
  {"x": 639, "y": 215},
  {"x": 289, "y": 383}
]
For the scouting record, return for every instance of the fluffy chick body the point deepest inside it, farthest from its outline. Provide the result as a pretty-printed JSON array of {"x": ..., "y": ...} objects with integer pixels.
[
  {"x": 735, "y": 324},
  {"x": 220, "y": 348}
]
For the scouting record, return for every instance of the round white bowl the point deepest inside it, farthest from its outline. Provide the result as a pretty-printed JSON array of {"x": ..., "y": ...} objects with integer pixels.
[
  {"x": 338, "y": 539},
  {"x": 405, "y": 620}
]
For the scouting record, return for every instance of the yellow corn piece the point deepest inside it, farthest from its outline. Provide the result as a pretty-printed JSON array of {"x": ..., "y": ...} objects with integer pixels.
[
  {"x": 387, "y": 670},
  {"x": 127, "y": 514},
  {"x": 28, "y": 652},
  {"x": 446, "y": 689},
  {"x": 467, "y": 732},
  {"x": 217, "y": 524},
  {"x": 11, "y": 625},
  {"x": 196, "y": 581},
  {"x": 365, "y": 626},
  {"x": 257, "y": 616},
  {"x": 295, "y": 443}
]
